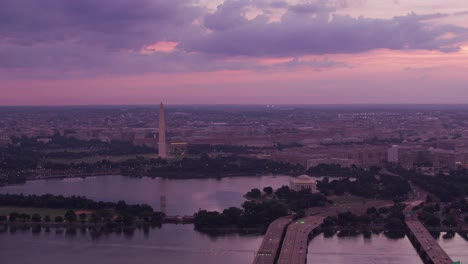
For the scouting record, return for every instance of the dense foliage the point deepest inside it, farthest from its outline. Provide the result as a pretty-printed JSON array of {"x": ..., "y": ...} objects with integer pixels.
[
  {"x": 26, "y": 155},
  {"x": 391, "y": 217},
  {"x": 101, "y": 210},
  {"x": 260, "y": 213},
  {"x": 446, "y": 188},
  {"x": 205, "y": 167},
  {"x": 251, "y": 215},
  {"x": 29, "y": 156},
  {"x": 369, "y": 186},
  {"x": 298, "y": 200}
]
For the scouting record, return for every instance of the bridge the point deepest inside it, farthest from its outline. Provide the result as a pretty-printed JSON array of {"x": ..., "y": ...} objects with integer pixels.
[
  {"x": 178, "y": 219},
  {"x": 268, "y": 252},
  {"x": 294, "y": 248},
  {"x": 429, "y": 250}
]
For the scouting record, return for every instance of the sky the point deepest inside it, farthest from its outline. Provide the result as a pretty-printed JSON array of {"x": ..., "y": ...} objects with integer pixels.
[{"x": 88, "y": 52}]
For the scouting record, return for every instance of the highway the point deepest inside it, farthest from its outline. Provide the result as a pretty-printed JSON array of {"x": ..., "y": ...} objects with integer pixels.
[
  {"x": 434, "y": 253},
  {"x": 294, "y": 249},
  {"x": 272, "y": 241}
]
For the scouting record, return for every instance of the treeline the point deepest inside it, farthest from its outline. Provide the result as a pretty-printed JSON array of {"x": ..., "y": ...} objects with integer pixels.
[
  {"x": 28, "y": 156},
  {"x": 58, "y": 147},
  {"x": 260, "y": 213},
  {"x": 336, "y": 170},
  {"x": 205, "y": 167},
  {"x": 368, "y": 186},
  {"x": 72, "y": 202},
  {"x": 391, "y": 217},
  {"x": 446, "y": 188},
  {"x": 300, "y": 200},
  {"x": 333, "y": 170},
  {"x": 52, "y": 201},
  {"x": 250, "y": 215},
  {"x": 199, "y": 149},
  {"x": 109, "y": 212},
  {"x": 369, "y": 141},
  {"x": 25, "y": 155}
]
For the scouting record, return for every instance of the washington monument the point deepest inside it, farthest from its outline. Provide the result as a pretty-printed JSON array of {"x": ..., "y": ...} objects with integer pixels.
[{"x": 162, "y": 133}]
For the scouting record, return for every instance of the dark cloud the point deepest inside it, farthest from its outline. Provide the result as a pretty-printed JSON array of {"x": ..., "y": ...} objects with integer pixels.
[
  {"x": 324, "y": 33},
  {"x": 116, "y": 24},
  {"x": 95, "y": 37},
  {"x": 228, "y": 15}
]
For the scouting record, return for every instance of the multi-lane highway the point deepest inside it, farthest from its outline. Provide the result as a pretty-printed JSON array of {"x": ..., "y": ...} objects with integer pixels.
[
  {"x": 294, "y": 248},
  {"x": 272, "y": 241},
  {"x": 426, "y": 242}
]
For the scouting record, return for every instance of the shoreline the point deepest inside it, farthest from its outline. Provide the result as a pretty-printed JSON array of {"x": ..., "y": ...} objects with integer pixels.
[
  {"x": 118, "y": 173},
  {"x": 336, "y": 230}
]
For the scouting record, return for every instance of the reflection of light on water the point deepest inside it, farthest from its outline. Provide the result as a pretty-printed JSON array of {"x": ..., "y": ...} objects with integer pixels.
[
  {"x": 204, "y": 251},
  {"x": 37, "y": 181},
  {"x": 72, "y": 180}
]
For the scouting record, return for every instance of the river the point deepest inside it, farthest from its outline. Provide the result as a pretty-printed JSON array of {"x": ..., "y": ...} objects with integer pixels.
[
  {"x": 183, "y": 197},
  {"x": 181, "y": 243}
]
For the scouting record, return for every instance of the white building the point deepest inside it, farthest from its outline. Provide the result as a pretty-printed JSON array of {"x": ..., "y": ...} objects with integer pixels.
[{"x": 303, "y": 182}]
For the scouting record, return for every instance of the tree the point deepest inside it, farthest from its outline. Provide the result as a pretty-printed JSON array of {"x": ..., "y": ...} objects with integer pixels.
[
  {"x": 127, "y": 219},
  {"x": 70, "y": 216},
  {"x": 268, "y": 190},
  {"x": 58, "y": 219},
  {"x": 450, "y": 221},
  {"x": 394, "y": 223},
  {"x": 121, "y": 206},
  {"x": 3, "y": 218},
  {"x": 371, "y": 210},
  {"x": 299, "y": 214},
  {"x": 13, "y": 216},
  {"x": 47, "y": 218},
  {"x": 24, "y": 216},
  {"x": 36, "y": 218},
  {"x": 83, "y": 217},
  {"x": 94, "y": 218},
  {"x": 254, "y": 193},
  {"x": 233, "y": 214}
]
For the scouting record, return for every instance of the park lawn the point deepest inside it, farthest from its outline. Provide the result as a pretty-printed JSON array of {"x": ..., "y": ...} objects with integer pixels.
[
  {"x": 347, "y": 199},
  {"x": 74, "y": 150},
  {"x": 6, "y": 210},
  {"x": 94, "y": 159},
  {"x": 351, "y": 200}
]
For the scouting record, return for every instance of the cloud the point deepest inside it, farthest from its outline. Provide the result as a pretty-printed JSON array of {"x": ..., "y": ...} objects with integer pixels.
[
  {"x": 116, "y": 24},
  {"x": 88, "y": 37},
  {"x": 228, "y": 15},
  {"x": 325, "y": 33}
]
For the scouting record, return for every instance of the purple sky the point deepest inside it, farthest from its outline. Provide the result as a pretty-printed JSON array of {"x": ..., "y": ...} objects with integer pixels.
[{"x": 60, "y": 52}]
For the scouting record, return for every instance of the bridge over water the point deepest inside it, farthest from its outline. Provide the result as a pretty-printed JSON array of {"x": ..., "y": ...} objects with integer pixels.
[
  {"x": 294, "y": 248},
  {"x": 269, "y": 249},
  {"x": 428, "y": 248},
  {"x": 293, "y": 239}
]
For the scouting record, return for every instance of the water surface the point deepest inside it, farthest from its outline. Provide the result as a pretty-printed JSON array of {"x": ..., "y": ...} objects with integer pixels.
[
  {"x": 172, "y": 244},
  {"x": 360, "y": 250},
  {"x": 183, "y": 197}
]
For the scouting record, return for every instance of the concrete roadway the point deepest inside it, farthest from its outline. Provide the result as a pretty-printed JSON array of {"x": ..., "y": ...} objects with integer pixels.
[
  {"x": 433, "y": 250},
  {"x": 271, "y": 242},
  {"x": 294, "y": 249}
]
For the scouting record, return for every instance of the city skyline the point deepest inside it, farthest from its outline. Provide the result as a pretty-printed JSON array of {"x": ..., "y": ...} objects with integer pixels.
[{"x": 233, "y": 52}]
